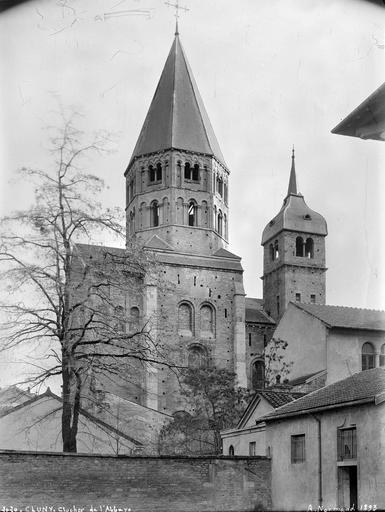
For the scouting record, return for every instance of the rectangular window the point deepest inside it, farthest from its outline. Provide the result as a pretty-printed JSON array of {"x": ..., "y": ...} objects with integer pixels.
[
  {"x": 298, "y": 297},
  {"x": 252, "y": 449},
  {"x": 298, "y": 449},
  {"x": 347, "y": 443},
  {"x": 249, "y": 339},
  {"x": 312, "y": 299}
]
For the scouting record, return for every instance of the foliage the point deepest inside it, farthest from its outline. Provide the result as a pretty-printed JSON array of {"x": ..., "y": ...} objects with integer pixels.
[
  {"x": 276, "y": 365},
  {"x": 64, "y": 298},
  {"x": 213, "y": 403}
]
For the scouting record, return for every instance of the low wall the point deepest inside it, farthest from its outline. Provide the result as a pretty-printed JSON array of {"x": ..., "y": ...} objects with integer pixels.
[{"x": 97, "y": 483}]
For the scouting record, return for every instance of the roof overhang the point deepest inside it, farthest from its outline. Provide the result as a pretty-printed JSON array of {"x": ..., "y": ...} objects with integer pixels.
[
  {"x": 324, "y": 408},
  {"x": 367, "y": 121}
]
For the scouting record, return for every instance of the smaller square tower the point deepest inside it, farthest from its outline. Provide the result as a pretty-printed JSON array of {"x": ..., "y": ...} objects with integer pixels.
[{"x": 294, "y": 254}]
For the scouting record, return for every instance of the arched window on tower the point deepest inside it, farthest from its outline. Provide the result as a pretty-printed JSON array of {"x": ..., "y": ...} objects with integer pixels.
[
  {"x": 220, "y": 187},
  {"x": 154, "y": 209},
  {"x": 207, "y": 321},
  {"x": 368, "y": 357},
  {"x": 151, "y": 173},
  {"x": 132, "y": 222},
  {"x": 187, "y": 171},
  {"x": 158, "y": 172},
  {"x": 220, "y": 223},
  {"x": 185, "y": 319},
  {"x": 299, "y": 246},
  {"x": 309, "y": 248},
  {"x": 197, "y": 357},
  {"x": 258, "y": 375},
  {"x": 225, "y": 235},
  {"x": 276, "y": 250},
  {"x": 195, "y": 173},
  {"x": 271, "y": 250},
  {"x": 225, "y": 192},
  {"x": 382, "y": 355},
  {"x": 192, "y": 213}
]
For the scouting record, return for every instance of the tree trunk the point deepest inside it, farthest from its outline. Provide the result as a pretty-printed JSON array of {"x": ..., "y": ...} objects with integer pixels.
[{"x": 69, "y": 440}]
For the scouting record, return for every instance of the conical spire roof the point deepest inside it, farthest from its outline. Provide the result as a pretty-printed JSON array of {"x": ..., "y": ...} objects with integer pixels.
[
  {"x": 292, "y": 189},
  {"x": 295, "y": 215},
  {"x": 177, "y": 117}
]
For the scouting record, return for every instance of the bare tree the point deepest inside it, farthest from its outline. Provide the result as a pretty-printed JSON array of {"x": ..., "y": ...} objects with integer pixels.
[{"x": 66, "y": 297}]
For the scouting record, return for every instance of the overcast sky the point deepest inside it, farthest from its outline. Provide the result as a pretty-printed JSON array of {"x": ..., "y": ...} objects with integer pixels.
[{"x": 272, "y": 73}]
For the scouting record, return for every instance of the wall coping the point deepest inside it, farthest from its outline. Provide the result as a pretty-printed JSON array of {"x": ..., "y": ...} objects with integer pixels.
[{"x": 145, "y": 457}]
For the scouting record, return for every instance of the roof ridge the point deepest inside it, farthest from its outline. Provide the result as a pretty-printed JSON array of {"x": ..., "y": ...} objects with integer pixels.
[{"x": 338, "y": 306}]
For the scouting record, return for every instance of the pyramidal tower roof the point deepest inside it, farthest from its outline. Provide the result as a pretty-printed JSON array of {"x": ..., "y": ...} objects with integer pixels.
[{"x": 177, "y": 117}]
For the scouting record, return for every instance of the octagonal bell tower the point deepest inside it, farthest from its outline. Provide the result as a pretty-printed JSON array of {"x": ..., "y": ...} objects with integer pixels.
[{"x": 177, "y": 179}]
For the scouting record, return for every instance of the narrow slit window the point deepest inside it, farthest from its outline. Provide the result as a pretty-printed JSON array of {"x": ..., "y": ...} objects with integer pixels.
[
  {"x": 192, "y": 214},
  {"x": 154, "y": 214}
]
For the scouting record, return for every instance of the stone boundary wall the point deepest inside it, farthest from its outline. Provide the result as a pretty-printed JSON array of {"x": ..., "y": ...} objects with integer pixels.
[{"x": 101, "y": 483}]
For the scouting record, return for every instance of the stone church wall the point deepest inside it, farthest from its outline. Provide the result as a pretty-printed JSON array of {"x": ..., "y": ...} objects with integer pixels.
[
  {"x": 200, "y": 289},
  {"x": 136, "y": 483}
]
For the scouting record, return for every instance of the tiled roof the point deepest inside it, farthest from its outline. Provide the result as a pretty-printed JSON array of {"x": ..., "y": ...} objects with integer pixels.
[
  {"x": 255, "y": 312},
  {"x": 304, "y": 378},
  {"x": 274, "y": 397},
  {"x": 279, "y": 398},
  {"x": 191, "y": 260},
  {"x": 349, "y": 318},
  {"x": 364, "y": 385}
]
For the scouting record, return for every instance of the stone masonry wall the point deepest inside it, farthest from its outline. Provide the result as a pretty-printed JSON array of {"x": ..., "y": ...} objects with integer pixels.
[
  {"x": 73, "y": 481},
  {"x": 196, "y": 287}
]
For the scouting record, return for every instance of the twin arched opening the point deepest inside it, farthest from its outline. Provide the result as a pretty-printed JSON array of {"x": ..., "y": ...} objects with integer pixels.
[
  {"x": 304, "y": 249},
  {"x": 186, "y": 320}
]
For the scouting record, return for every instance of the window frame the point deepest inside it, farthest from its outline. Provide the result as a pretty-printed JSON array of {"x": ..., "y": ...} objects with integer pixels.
[
  {"x": 154, "y": 214},
  {"x": 298, "y": 444},
  {"x": 342, "y": 443},
  {"x": 192, "y": 206},
  {"x": 368, "y": 359},
  {"x": 155, "y": 174}
]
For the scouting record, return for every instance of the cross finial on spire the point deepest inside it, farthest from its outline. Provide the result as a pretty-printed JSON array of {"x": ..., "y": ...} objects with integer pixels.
[
  {"x": 177, "y": 7},
  {"x": 293, "y": 179}
]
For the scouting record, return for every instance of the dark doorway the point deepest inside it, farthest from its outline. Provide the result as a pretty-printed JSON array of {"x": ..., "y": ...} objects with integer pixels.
[{"x": 347, "y": 487}]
